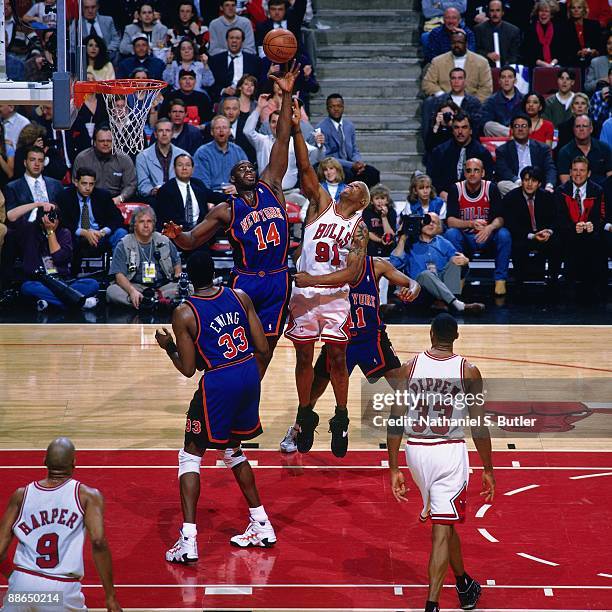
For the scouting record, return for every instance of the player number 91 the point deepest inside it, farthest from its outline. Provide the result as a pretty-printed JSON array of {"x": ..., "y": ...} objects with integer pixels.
[{"x": 52, "y": 598}]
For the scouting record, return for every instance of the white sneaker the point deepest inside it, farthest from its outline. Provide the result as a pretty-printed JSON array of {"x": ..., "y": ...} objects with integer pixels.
[
  {"x": 184, "y": 551},
  {"x": 256, "y": 534},
  {"x": 42, "y": 305},
  {"x": 288, "y": 444},
  {"x": 90, "y": 302}
]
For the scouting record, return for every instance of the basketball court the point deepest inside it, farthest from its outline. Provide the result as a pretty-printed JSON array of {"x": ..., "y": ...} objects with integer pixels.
[{"x": 343, "y": 543}]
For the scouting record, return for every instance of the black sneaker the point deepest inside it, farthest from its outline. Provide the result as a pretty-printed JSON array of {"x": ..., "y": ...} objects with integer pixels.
[
  {"x": 469, "y": 598},
  {"x": 307, "y": 420},
  {"x": 338, "y": 427}
]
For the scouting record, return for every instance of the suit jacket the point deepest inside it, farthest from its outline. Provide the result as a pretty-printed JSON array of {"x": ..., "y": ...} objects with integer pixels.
[
  {"x": 169, "y": 204},
  {"x": 442, "y": 164},
  {"x": 597, "y": 71},
  {"x": 18, "y": 192},
  {"x": 478, "y": 80},
  {"x": 218, "y": 65},
  {"x": 104, "y": 210},
  {"x": 507, "y": 163},
  {"x": 332, "y": 141},
  {"x": 516, "y": 213},
  {"x": 509, "y": 42},
  {"x": 149, "y": 172},
  {"x": 109, "y": 32},
  {"x": 568, "y": 212},
  {"x": 592, "y": 40}
]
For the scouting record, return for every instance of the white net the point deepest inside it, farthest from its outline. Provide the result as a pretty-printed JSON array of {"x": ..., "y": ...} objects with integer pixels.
[{"x": 127, "y": 115}]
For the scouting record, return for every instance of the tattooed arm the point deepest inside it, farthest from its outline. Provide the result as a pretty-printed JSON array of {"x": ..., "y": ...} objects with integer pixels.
[{"x": 354, "y": 264}]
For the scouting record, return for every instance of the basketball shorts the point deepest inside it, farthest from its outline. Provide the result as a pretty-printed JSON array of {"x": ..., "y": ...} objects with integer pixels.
[
  {"x": 225, "y": 407},
  {"x": 20, "y": 582},
  {"x": 317, "y": 316},
  {"x": 373, "y": 354},
  {"x": 441, "y": 471},
  {"x": 269, "y": 292}
]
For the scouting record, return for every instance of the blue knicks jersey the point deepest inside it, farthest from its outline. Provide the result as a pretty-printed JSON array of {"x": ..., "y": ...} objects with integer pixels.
[
  {"x": 223, "y": 329},
  {"x": 259, "y": 234},
  {"x": 365, "y": 303}
]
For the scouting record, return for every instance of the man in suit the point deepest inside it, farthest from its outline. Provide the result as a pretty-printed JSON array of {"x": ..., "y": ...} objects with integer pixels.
[
  {"x": 155, "y": 165},
  {"x": 581, "y": 211},
  {"x": 229, "y": 66},
  {"x": 95, "y": 223},
  {"x": 184, "y": 200},
  {"x": 32, "y": 189},
  {"x": 281, "y": 15},
  {"x": 477, "y": 72},
  {"x": 519, "y": 153},
  {"x": 341, "y": 143},
  {"x": 509, "y": 37},
  {"x": 101, "y": 25},
  {"x": 530, "y": 215},
  {"x": 447, "y": 161}
]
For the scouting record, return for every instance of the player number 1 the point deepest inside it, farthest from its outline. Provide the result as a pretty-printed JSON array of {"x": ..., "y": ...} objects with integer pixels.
[
  {"x": 272, "y": 237},
  {"x": 322, "y": 253}
]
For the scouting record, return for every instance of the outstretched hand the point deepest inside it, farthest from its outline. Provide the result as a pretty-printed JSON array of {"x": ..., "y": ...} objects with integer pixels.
[
  {"x": 287, "y": 81},
  {"x": 172, "y": 230}
]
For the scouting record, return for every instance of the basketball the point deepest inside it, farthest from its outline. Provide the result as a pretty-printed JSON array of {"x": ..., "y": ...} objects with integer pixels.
[{"x": 280, "y": 45}]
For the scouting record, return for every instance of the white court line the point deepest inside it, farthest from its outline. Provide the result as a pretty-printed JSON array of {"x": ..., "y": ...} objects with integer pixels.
[
  {"x": 352, "y": 450},
  {"x": 490, "y": 582},
  {"x": 219, "y": 463},
  {"x": 228, "y": 591},
  {"x": 398, "y": 591},
  {"x": 516, "y": 464},
  {"x": 487, "y": 536},
  {"x": 548, "y": 592},
  {"x": 384, "y": 463},
  {"x": 482, "y": 510},
  {"x": 544, "y": 561},
  {"x": 590, "y": 476},
  {"x": 515, "y": 491},
  {"x": 605, "y": 575}
]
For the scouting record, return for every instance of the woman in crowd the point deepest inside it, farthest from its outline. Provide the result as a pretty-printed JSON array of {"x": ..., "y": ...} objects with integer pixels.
[
  {"x": 156, "y": 32},
  {"x": 187, "y": 25},
  {"x": 584, "y": 35},
  {"x": 546, "y": 38},
  {"x": 580, "y": 106},
  {"x": 331, "y": 176},
  {"x": 98, "y": 61},
  {"x": 540, "y": 129},
  {"x": 441, "y": 130},
  {"x": 246, "y": 90},
  {"x": 187, "y": 59},
  {"x": 422, "y": 197}
]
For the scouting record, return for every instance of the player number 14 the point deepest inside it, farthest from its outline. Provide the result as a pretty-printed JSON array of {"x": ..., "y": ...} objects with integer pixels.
[{"x": 272, "y": 237}]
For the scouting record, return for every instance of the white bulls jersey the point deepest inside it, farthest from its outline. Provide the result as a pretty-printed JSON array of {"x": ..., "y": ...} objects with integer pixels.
[
  {"x": 326, "y": 244},
  {"x": 50, "y": 531},
  {"x": 437, "y": 397}
]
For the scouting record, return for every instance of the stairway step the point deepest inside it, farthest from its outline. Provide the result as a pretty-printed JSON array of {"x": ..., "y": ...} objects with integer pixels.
[
  {"x": 392, "y": 162},
  {"x": 364, "y": 34},
  {"x": 370, "y": 69},
  {"x": 399, "y": 182},
  {"x": 396, "y": 142},
  {"x": 335, "y": 18},
  {"x": 369, "y": 123},
  {"x": 368, "y": 51},
  {"x": 351, "y": 5},
  {"x": 406, "y": 107},
  {"x": 392, "y": 88}
]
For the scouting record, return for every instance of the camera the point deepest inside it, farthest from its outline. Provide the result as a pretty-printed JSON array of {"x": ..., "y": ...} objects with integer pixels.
[
  {"x": 447, "y": 117},
  {"x": 412, "y": 225},
  {"x": 182, "y": 292},
  {"x": 149, "y": 299},
  {"x": 52, "y": 215}
]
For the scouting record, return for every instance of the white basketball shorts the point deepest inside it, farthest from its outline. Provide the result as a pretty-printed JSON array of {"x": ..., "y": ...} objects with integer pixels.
[
  {"x": 314, "y": 317},
  {"x": 22, "y": 583},
  {"x": 441, "y": 471}
]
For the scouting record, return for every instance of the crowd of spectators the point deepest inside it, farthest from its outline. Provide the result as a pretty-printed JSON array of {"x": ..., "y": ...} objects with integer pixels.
[{"x": 516, "y": 125}]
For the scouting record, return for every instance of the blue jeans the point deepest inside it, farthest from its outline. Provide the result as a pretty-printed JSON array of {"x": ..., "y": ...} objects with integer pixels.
[
  {"x": 35, "y": 289},
  {"x": 500, "y": 239}
]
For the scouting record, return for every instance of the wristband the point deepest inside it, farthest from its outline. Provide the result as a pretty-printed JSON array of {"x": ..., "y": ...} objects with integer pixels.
[{"x": 171, "y": 349}]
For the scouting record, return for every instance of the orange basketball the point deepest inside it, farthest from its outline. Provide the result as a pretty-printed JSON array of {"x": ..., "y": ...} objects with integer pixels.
[{"x": 280, "y": 45}]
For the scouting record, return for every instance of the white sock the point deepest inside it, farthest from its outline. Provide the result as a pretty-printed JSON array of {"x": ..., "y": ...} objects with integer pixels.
[
  {"x": 189, "y": 530},
  {"x": 458, "y": 304},
  {"x": 258, "y": 514}
]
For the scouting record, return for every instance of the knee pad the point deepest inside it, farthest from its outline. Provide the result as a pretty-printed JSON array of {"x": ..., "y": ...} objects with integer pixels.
[
  {"x": 188, "y": 463},
  {"x": 233, "y": 457}
]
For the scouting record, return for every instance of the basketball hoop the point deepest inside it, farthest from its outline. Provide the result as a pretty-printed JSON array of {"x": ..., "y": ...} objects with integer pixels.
[{"x": 128, "y": 102}]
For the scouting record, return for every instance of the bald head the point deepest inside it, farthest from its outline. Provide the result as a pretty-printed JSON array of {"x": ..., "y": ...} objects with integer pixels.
[
  {"x": 451, "y": 18},
  {"x": 60, "y": 455}
]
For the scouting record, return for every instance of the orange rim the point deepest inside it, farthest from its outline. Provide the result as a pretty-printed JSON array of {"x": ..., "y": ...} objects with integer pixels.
[{"x": 114, "y": 86}]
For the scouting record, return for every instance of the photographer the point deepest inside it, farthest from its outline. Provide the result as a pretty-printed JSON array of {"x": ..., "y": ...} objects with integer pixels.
[
  {"x": 47, "y": 250},
  {"x": 432, "y": 261},
  {"x": 145, "y": 264},
  {"x": 441, "y": 129}
]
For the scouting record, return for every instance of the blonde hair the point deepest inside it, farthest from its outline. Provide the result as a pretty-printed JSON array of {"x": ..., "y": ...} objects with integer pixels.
[
  {"x": 417, "y": 181},
  {"x": 380, "y": 190},
  {"x": 582, "y": 96},
  {"x": 330, "y": 162},
  {"x": 585, "y": 7},
  {"x": 553, "y": 5}
]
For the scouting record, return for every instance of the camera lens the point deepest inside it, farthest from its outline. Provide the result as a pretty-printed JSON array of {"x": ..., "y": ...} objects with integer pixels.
[{"x": 447, "y": 116}]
